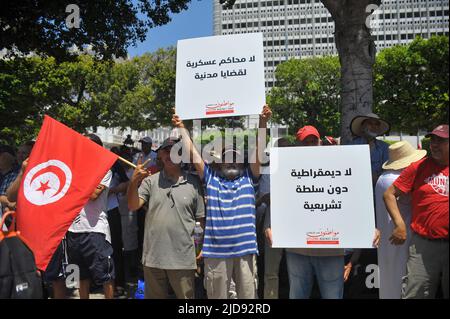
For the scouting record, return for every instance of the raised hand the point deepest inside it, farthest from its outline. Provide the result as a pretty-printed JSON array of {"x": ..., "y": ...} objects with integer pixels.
[
  {"x": 140, "y": 172},
  {"x": 176, "y": 121},
  {"x": 266, "y": 114}
]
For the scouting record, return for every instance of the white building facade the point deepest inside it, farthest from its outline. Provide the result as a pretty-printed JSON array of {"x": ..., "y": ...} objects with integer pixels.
[{"x": 304, "y": 28}]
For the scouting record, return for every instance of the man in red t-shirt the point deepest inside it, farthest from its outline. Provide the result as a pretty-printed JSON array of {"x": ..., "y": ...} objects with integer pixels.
[{"x": 427, "y": 181}]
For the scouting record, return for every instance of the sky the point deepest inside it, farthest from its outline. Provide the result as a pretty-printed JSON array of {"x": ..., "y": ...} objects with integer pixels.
[{"x": 192, "y": 23}]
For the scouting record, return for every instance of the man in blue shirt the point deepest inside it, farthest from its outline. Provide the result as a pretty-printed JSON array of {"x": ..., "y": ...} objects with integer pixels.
[
  {"x": 230, "y": 244},
  {"x": 366, "y": 128}
]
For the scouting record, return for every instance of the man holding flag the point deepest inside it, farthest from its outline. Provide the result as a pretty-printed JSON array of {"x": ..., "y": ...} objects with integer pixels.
[
  {"x": 89, "y": 239},
  {"x": 57, "y": 183}
]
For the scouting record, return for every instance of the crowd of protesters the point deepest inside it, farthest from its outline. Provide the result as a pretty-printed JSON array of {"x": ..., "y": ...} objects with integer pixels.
[{"x": 138, "y": 224}]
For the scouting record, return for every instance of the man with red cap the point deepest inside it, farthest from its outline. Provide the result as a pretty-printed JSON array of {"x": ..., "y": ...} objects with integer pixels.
[
  {"x": 308, "y": 136},
  {"x": 326, "y": 265},
  {"x": 427, "y": 181}
]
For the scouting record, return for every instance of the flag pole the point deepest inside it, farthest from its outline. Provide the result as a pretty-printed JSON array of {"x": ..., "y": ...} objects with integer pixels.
[
  {"x": 127, "y": 162},
  {"x": 131, "y": 164}
]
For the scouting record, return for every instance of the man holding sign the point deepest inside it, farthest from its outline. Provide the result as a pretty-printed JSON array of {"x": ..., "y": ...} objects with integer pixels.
[
  {"x": 230, "y": 243},
  {"x": 303, "y": 263},
  {"x": 316, "y": 232}
]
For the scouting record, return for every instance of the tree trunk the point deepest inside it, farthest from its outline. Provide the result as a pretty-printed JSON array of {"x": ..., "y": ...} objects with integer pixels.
[{"x": 357, "y": 55}]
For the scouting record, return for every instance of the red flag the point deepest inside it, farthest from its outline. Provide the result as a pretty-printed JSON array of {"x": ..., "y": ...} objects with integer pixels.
[{"x": 63, "y": 171}]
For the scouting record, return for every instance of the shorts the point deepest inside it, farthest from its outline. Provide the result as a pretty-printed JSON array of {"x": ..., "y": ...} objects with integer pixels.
[
  {"x": 92, "y": 253},
  {"x": 55, "y": 270}
]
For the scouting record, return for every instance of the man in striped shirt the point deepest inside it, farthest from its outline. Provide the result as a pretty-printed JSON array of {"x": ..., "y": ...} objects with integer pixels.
[{"x": 230, "y": 246}]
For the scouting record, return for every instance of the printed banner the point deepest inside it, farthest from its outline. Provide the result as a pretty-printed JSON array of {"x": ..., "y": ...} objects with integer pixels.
[
  {"x": 321, "y": 197},
  {"x": 220, "y": 76}
]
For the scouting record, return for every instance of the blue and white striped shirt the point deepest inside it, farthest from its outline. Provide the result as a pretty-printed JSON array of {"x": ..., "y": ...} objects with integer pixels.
[{"x": 230, "y": 216}]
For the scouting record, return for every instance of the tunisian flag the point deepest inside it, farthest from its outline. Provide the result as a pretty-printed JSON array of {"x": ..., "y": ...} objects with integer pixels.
[{"x": 63, "y": 171}]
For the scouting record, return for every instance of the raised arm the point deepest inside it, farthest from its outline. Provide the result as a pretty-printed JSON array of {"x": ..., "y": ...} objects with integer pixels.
[
  {"x": 398, "y": 236},
  {"x": 263, "y": 119},
  {"x": 189, "y": 146}
]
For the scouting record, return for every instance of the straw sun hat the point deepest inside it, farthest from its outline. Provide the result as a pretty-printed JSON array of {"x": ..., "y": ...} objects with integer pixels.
[{"x": 401, "y": 154}]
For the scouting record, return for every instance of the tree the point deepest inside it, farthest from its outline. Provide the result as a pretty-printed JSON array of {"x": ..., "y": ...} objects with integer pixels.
[
  {"x": 307, "y": 92},
  {"x": 27, "y": 86},
  {"x": 108, "y": 26},
  {"x": 356, "y": 50},
  {"x": 149, "y": 104},
  {"x": 412, "y": 84},
  {"x": 86, "y": 93},
  {"x": 71, "y": 92}
]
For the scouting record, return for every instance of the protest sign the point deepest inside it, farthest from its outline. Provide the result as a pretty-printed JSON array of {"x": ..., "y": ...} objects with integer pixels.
[
  {"x": 220, "y": 76},
  {"x": 321, "y": 197}
]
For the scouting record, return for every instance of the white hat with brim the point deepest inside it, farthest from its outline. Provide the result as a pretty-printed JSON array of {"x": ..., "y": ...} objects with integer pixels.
[
  {"x": 401, "y": 155},
  {"x": 356, "y": 124}
]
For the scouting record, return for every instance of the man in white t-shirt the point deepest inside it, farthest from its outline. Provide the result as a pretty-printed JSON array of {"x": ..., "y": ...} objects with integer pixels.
[{"x": 89, "y": 240}]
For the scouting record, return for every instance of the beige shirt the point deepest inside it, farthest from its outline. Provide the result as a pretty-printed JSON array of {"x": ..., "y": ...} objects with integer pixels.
[{"x": 173, "y": 209}]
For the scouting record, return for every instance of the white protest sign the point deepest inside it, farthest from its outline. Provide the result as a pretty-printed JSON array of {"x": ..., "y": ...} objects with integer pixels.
[
  {"x": 220, "y": 76},
  {"x": 321, "y": 197}
]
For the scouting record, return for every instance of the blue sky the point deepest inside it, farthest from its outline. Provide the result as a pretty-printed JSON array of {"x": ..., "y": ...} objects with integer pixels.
[{"x": 192, "y": 23}]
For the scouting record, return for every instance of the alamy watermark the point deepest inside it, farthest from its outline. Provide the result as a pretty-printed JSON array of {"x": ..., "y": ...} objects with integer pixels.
[
  {"x": 372, "y": 20},
  {"x": 73, "y": 19},
  {"x": 72, "y": 274}
]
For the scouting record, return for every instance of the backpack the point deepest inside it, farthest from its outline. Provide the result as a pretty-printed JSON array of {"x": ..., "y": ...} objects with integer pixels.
[{"x": 19, "y": 277}]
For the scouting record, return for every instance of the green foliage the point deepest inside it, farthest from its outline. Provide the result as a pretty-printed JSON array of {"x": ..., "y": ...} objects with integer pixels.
[
  {"x": 108, "y": 27},
  {"x": 85, "y": 93},
  {"x": 307, "y": 92},
  {"x": 412, "y": 84},
  {"x": 411, "y": 89},
  {"x": 149, "y": 104},
  {"x": 426, "y": 144},
  {"x": 140, "y": 93}
]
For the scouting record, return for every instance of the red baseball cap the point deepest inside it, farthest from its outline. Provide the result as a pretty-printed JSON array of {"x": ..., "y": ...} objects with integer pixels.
[
  {"x": 305, "y": 131},
  {"x": 441, "y": 131}
]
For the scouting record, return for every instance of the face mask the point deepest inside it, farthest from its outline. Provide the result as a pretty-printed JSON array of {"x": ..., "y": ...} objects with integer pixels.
[{"x": 369, "y": 134}]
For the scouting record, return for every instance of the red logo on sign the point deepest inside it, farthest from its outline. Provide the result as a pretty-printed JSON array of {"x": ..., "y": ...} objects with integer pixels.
[
  {"x": 322, "y": 238},
  {"x": 220, "y": 108}
]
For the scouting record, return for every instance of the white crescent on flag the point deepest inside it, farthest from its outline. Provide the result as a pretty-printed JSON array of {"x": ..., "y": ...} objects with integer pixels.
[{"x": 47, "y": 182}]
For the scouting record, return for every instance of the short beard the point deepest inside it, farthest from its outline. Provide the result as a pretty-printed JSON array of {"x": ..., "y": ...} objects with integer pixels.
[
  {"x": 231, "y": 173},
  {"x": 369, "y": 134}
]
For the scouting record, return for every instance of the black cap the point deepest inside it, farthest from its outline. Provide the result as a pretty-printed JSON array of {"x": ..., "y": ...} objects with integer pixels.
[
  {"x": 94, "y": 138},
  {"x": 146, "y": 140},
  {"x": 168, "y": 142},
  {"x": 7, "y": 149}
]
